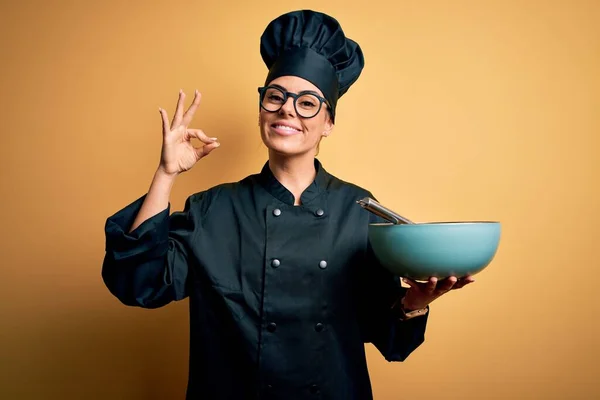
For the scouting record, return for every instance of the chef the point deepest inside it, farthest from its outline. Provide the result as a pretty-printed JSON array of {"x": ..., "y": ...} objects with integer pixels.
[{"x": 283, "y": 286}]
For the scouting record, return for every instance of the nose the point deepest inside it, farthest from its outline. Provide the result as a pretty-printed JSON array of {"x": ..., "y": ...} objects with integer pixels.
[{"x": 288, "y": 107}]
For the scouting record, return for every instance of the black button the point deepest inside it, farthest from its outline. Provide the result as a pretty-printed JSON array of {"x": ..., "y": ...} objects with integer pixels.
[
  {"x": 319, "y": 327},
  {"x": 314, "y": 389},
  {"x": 277, "y": 212},
  {"x": 320, "y": 212},
  {"x": 272, "y": 327},
  {"x": 275, "y": 263},
  {"x": 323, "y": 264}
]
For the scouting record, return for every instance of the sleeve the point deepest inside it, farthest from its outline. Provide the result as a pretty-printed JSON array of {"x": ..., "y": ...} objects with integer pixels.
[
  {"x": 148, "y": 267},
  {"x": 395, "y": 339}
]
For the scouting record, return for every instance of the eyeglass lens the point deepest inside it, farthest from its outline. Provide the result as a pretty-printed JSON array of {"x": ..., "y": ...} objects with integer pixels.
[{"x": 307, "y": 105}]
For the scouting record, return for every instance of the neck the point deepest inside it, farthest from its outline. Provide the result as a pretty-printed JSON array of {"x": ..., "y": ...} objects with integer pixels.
[{"x": 294, "y": 173}]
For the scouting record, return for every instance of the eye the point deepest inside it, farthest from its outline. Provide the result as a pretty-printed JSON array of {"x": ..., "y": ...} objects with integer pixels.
[
  {"x": 274, "y": 97},
  {"x": 308, "y": 101}
]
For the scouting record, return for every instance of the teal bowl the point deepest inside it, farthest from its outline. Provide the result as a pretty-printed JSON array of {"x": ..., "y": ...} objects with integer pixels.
[{"x": 441, "y": 249}]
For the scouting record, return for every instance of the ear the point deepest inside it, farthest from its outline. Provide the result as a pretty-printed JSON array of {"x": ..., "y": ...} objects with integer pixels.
[{"x": 328, "y": 127}]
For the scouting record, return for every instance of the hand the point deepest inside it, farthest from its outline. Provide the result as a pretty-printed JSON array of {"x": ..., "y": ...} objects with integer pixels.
[
  {"x": 420, "y": 294},
  {"x": 178, "y": 154}
]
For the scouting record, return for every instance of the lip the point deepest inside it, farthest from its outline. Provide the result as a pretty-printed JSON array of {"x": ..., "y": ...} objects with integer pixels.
[{"x": 285, "y": 132}]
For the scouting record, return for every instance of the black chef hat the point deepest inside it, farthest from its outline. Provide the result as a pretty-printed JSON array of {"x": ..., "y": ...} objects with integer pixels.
[{"x": 312, "y": 46}]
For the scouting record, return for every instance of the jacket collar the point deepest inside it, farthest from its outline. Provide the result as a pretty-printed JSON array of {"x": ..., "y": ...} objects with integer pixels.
[{"x": 280, "y": 192}]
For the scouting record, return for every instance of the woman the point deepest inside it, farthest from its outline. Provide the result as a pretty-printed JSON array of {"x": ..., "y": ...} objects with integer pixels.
[{"x": 283, "y": 287}]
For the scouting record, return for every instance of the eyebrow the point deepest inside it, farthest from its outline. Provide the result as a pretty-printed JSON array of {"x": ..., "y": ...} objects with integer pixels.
[
  {"x": 302, "y": 91},
  {"x": 280, "y": 87}
]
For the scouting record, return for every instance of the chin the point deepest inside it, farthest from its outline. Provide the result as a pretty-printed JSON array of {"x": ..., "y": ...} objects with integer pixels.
[
  {"x": 285, "y": 149},
  {"x": 293, "y": 145}
]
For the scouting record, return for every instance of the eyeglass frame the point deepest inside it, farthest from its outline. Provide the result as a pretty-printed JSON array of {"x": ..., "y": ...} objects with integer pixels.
[{"x": 263, "y": 89}]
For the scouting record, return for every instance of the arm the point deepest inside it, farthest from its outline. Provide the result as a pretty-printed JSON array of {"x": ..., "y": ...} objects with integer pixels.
[
  {"x": 380, "y": 293},
  {"x": 395, "y": 339},
  {"x": 146, "y": 261},
  {"x": 148, "y": 266},
  {"x": 156, "y": 200}
]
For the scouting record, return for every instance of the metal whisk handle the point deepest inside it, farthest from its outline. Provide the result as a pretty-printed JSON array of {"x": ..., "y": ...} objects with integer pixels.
[{"x": 373, "y": 206}]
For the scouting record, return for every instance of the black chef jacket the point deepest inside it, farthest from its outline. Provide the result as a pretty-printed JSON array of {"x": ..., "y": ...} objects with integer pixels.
[{"x": 282, "y": 298}]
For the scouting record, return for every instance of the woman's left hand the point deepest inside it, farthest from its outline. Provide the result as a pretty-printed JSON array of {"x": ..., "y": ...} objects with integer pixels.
[{"x": 420, "y": 294}]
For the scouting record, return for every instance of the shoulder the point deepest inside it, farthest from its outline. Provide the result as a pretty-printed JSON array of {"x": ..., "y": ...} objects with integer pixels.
[
  {"x": 351, "y": 192},
  {"x": 343, "y": 187},
  {"x": 202, "y": 201}
]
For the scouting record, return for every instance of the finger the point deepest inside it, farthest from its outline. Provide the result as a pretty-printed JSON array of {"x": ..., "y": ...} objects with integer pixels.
[
  {"x": 431, "y": 284},
  {"x": 463, "y": 282},
  {"x": 165, "y": 120},
  {"x": 206, "y": 149},
  {"x": 179, "y": 110},
  {"x": 200, "y": 135},
  {"x": 410, "y": 282},
  {"x": 446, "y": 284},
  {"x": 189, "y": 114}
]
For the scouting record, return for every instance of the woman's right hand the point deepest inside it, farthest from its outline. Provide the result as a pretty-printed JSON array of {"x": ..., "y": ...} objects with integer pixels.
[{"x": 178, "y": 154}]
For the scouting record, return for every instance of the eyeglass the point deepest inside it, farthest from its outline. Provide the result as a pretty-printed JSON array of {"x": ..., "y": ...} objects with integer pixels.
[{"x": 306, "y": 103}]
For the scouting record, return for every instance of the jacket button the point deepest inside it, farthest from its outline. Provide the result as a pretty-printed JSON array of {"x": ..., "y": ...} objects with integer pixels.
[
  {"x": 277, "y": 212},
  {"x": 323, "y": 264},
  {"x": 314, "y": 389},
  {"x": 319, "y": 327},
  {"x": 275, "y": 263},
  {"x": 272, "y": 327},
  {"x": 320, "y": 212}
]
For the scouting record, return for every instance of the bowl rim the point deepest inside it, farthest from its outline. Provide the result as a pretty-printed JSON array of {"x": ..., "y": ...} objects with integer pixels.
[{"x": 437, "y": 223}]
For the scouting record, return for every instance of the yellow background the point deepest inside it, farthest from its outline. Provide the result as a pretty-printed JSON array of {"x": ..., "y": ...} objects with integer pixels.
[{"x": 465, "y": 110}]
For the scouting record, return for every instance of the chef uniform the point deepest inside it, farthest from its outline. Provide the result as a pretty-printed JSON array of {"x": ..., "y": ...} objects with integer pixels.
[{"x": 282, "y": 298}]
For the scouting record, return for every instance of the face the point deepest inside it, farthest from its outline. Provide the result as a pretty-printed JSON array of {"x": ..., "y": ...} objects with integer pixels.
[{"x": 284, "y": 131}]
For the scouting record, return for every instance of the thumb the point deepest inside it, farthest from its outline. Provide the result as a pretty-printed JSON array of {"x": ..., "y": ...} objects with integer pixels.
[
  {"x": 200, "y": 135},
  {"x": 206, "y": 149}
]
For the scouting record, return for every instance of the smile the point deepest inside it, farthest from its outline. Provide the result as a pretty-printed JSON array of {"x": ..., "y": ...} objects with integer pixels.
[
  {"x": 289, "y": 128},
  {"x": 285, "y": 129}
]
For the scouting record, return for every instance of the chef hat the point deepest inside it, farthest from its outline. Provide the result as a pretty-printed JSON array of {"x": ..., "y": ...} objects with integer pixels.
[{"x": 312, "y": 46}]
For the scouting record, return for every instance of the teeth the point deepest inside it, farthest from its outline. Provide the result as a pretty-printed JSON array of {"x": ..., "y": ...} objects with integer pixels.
[{"x": 285, "y": 127}]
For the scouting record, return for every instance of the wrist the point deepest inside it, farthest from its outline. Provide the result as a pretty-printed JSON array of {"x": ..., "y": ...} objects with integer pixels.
[
  {"x": 164, "y": 175},
  {"x": 164, "y": 180},
  {"x": 408, "y": 306},
  {"x": 405, "y": 311}
]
